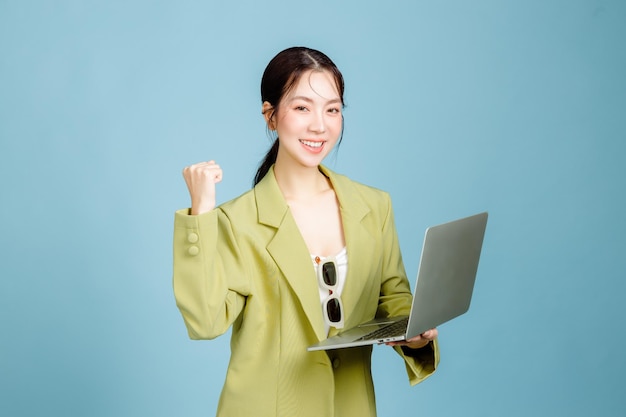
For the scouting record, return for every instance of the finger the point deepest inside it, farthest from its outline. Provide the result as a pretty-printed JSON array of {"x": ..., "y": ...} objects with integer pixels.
[
  {"x": 203, "y": 169},
  {"x": 405, "y": 342},
  {"x": 212, "y": 171},
  {"x": 202, "y": 164},
  {"x": 427, "y": 335},
  {"x": 218, "y": 176},
  {"x": 430, "y": 334},
  {"x": 415, "y": 339}
]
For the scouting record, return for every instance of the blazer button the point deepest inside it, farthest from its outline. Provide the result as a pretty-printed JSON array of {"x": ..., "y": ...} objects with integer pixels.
[
  {"x": 336, "y": 363},
  {"x": 192, "y": 237},
  {"x": 193, "y": 251}
]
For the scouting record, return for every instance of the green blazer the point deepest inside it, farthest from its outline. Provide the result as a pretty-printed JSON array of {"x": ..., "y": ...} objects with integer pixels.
[{"x": 246, "y": 265}]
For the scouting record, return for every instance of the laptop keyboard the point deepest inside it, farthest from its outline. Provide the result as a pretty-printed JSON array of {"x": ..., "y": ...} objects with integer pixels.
[{"x": 395, "y": 329}]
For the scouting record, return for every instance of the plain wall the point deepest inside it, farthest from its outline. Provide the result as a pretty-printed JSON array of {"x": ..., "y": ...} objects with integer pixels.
[{"x": 454, "y": 107}]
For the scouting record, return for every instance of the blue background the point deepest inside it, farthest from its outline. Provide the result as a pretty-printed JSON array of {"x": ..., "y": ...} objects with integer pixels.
[{"x": 454, "y": 107}]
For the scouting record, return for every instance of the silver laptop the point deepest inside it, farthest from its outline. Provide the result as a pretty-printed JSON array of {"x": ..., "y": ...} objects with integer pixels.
[{"x": 443, "y": 291}]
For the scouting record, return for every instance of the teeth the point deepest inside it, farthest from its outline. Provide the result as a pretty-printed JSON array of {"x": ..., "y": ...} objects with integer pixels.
[{"x": 312, "y": 144}]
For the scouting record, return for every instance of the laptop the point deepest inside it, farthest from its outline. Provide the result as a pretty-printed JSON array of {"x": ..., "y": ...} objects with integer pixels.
[{"x": 443, "y": 290}]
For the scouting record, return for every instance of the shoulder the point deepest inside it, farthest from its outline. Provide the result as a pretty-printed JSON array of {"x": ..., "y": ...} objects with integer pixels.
[
  {"x": 241, "y": 204},
  {"x": 351, "y": 192},
  {"x": 345, "y": 183}
]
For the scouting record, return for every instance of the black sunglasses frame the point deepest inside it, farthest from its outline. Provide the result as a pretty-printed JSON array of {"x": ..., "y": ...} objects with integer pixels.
[{"x": 332, "y": 306}]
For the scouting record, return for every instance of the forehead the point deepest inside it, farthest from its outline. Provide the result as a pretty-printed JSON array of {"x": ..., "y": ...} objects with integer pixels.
[{"x": 315, "y": 84}]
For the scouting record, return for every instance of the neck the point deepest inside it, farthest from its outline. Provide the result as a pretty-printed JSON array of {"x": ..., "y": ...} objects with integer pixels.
[{"x": 300, "y": 182}]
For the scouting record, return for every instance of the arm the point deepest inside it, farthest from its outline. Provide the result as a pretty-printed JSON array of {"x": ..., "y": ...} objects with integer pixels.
[
  {"x": 209, "y": 280},
  {"x": 210, "y": 283}
]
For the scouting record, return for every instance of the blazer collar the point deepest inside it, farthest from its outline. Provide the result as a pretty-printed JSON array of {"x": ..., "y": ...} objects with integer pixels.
[{"x": 291, "y": 254}]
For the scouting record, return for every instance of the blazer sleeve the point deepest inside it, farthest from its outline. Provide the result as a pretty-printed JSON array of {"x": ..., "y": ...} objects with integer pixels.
[
  {"x": 396, "y": 297},
  {"x": 209, "y": 277}
]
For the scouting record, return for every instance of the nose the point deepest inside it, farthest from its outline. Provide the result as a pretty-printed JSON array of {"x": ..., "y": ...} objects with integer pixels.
[{"x": 318, "y": 124}]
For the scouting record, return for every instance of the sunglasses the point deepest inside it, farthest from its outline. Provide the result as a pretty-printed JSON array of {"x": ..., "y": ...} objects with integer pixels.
[{"x": 333, "y": 309}]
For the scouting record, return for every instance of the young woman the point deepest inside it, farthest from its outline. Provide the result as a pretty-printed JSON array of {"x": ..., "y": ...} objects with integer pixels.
[{"x": 256, "y": 263}]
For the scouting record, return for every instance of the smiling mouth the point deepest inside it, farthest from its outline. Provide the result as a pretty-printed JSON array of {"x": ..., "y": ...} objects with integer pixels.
[{"x": 312, "y": 144}]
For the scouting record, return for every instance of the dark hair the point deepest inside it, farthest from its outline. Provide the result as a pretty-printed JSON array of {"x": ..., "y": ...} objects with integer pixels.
[{"x": 281, "y": 74}]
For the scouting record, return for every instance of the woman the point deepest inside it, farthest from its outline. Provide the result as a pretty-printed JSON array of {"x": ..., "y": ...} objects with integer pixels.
[{"x": 254, "y": 262}]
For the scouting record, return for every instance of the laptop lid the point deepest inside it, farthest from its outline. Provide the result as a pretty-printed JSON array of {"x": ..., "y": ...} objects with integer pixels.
[{"x": 447, "y": 272}]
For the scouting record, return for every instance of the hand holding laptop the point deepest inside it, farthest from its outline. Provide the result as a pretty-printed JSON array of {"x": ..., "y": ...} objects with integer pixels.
[{"x": 418, "y": 341}]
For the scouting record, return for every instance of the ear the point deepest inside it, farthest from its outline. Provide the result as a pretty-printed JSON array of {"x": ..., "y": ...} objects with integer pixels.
[{"x": 268, "y": 114}]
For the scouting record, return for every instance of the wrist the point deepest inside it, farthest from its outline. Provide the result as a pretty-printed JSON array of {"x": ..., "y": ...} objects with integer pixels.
[{"x": 201, "y": 207}]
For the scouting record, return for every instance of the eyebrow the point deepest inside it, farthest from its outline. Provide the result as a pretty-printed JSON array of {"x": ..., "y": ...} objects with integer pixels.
[{"x": 309, "y": 100}]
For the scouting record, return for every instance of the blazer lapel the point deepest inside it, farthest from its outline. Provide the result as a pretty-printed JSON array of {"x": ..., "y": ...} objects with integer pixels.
[
  {"x": 289, "y": 250},
  {"x": 360, "y": 244},
  {"x": 291, "y": 254}
]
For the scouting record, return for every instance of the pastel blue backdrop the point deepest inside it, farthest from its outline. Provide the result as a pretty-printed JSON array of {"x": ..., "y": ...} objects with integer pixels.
[{"x": 454, "y": 107}]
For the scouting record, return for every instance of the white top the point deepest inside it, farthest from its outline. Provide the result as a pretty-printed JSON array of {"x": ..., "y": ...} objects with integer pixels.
[{"x": 341, "y": 259}]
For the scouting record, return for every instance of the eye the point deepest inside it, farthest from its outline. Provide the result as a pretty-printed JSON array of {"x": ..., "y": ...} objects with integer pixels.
[
  {"x": 301, "y": 108},
  {"x": 334, "y": 110}
]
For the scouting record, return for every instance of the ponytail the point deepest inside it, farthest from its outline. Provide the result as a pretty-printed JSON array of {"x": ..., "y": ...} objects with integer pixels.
[{"x": 268, "y": 161}]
